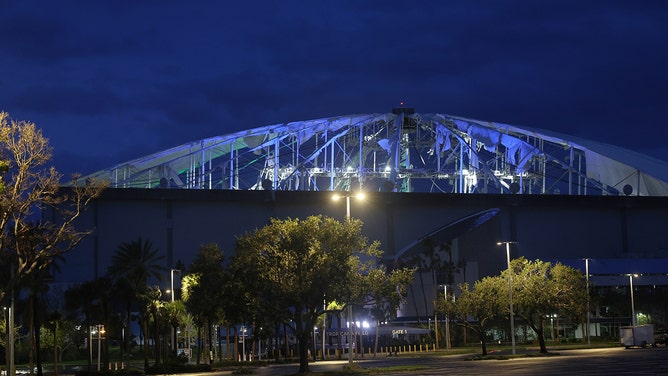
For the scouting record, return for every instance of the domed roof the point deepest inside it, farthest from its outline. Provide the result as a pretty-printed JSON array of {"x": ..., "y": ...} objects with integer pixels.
[{"x": 400, "y": 151}]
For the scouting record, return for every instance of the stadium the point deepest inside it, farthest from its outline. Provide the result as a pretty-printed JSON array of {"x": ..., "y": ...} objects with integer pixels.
[{"x": 441, "y": 192}]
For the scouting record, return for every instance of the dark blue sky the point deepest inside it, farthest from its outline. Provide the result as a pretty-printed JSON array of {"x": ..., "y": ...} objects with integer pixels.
[{"x": 109, "y": 81}]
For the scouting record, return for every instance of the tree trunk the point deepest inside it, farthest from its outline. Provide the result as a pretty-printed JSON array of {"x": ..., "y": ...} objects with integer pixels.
[
  {"x": 31, "y": 331},
  {"x": 287, "y": 345},
  {"x": 205, "y": 344},
  {"x": 174, "y": 340},
  {"x": 541, "y": 341},
  {"x": 275, "y": 348},
  {"x": 375, "y": 344},
  {"x": 156, "y": 338},
  {"x": 128, "y": 323},
  {"x": 338, "y": 335},
  {"x": 540, "y": 334},
  {"x": 227, "y": 338},
  {"x": 55, "y": 348},
  {"x": 361, "y": 342},
  {"x": 236, "y": 345},
  {"x": 303, "y": 340},
  {"x": 464, "y": 335},
  {"x": 38, "y": 345},
  {"x": 145, "y": 329},
  {"x": 483, "y": 344},
  {"x": 220, "y": 345},
  {"x": 90, "y": 344},
  {"x": 209, "y": 330},
  {"x": 199, "y": 343}
]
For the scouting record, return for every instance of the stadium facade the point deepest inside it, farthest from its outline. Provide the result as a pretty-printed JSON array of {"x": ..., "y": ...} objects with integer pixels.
[{"x": 438, "y": 187}]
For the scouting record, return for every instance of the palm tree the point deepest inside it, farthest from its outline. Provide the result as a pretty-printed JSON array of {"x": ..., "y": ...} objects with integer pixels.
[
  {"x": 206, "y": 303},
  {"x": 88, "y": 300},
  {"x": 153, "y": 308},
  {"x": 37, "y": 285},
  {"x": 136, "y": 261},
  {"x": 176, "y": 316},
  {"x": 131, "y": 266}
]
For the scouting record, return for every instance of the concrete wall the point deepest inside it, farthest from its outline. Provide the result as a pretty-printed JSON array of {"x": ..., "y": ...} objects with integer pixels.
[{"x": 551, "y": 227}]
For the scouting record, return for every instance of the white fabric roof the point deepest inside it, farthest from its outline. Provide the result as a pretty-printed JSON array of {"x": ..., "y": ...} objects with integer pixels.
[{"x": 257, "y": 150}]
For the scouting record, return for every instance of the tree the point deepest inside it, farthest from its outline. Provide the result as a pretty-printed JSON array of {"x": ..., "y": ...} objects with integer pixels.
[
  {"x": 28, "y": 186},
  {"x": 37, "y": 284},
  {"x": 132, "y": 265},
  {"x": 203, "y": 289},
  {"x": 486, "y": 301},
  {"x": 85, "y": 304},
  {"x": 153, "y": 308},
  {"x": 291, "y": 265},
  {"x": 388, "y": 291},
  {"x": 542, "y": 288},
  {"x": 176, "y": 315}
]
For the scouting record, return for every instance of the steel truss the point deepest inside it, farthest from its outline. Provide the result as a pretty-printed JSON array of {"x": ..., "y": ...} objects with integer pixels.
[{"x": 400, "y": 151}]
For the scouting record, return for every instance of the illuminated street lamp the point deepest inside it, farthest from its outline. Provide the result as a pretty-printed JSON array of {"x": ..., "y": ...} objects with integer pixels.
[
  {"x": 99, "y": 329},
  {"x": 336, "y": 197},
  {"x": 243, "y": 343},
  {"x": 358, "y": 195},
  {"x": 510, "y": 294}
]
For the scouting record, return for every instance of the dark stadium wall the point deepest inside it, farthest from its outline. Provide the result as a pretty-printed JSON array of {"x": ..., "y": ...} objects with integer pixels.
[{"x": 547, "y": 227}]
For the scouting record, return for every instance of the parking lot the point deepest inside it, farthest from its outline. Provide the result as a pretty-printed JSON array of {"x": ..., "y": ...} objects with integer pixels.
[{"x": 598, "y": 361}]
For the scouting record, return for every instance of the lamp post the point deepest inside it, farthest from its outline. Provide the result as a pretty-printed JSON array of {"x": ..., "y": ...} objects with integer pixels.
[
  {"x": 588, "y": 309},
  {"x": 510, "y": 295},
  {"x": 447, "y": 320},
  {"x": 9, "y": 326},
  {"x": 11, "y": 363},
  {"x": 171, "y": 275},
  {"x": 315, "y": 344},
  {"x": 100, "y": 331},
  {"x": 9, "y": 345},
  {"x": 90, "y": 346},
  {"x": 99, "y": 328},
  {"x": 243, "y": 343},
  {"x": 633, "y": 308},
  {"x": 324, "y": 327},
  {"x": 359, "y": 196}
]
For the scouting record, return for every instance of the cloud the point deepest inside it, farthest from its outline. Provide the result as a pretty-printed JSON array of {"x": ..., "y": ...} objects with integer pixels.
[{"x": 144, "y": 76}]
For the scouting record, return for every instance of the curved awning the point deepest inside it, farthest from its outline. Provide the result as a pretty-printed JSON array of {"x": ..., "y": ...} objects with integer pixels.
[{"x": 447, "y": 233}]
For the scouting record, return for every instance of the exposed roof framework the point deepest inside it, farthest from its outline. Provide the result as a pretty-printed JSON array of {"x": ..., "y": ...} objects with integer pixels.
[{"x": 398, "y": 151}]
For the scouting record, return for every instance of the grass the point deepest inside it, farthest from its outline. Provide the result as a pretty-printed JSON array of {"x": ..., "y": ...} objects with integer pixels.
[{"x": 495, "y": 352}]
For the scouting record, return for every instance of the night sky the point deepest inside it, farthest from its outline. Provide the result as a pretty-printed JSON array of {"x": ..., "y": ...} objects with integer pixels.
[{"x": 110, "y": 81}]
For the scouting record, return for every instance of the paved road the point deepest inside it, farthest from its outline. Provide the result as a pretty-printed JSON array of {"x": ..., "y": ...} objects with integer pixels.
[{"x": 608, "y": 361}]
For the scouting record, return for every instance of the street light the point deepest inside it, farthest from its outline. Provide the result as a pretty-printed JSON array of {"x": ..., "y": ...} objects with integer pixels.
[
  {"x": 447, "y": 319},
  {"x": 315, "y": 344},
  {"x": 510, "y": 294},
  {"x": 99, "y": 328},
  {"x": 633, "y": 308},
  {"x": 588, "y": 299},
  {"x": 243, "y": 343},
  {"x": 172, "y": 293},
  {"x": 360, "y": 196},
  {"x": 9, "y": 326}
]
